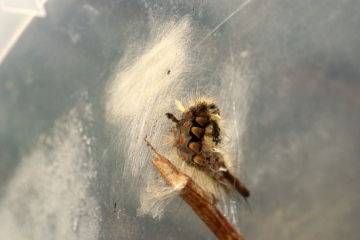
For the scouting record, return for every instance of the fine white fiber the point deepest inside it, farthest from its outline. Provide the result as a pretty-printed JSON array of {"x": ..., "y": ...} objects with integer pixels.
[{"x": 143, "y": 89}]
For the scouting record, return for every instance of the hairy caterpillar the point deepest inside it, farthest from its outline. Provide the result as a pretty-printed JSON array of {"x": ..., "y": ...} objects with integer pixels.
[{"x": 197, "y": 139}]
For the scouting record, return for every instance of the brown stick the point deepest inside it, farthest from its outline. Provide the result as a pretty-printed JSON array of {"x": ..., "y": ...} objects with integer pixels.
[{"x": 202, "y": 204}]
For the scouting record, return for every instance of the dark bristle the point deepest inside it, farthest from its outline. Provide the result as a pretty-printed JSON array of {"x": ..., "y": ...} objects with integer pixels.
[
  {"x": 237, "y": 184},
  {"x": 172, "y": 117}
]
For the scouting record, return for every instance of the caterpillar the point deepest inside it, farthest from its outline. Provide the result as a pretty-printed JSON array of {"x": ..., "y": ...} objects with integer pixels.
[{"x": 197, "y": 138}]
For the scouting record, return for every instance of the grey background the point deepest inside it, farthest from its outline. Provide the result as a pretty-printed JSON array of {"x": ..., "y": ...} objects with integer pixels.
[{"x": 301, "y": 145}]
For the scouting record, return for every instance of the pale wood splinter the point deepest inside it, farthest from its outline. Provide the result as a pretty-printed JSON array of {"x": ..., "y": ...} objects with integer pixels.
[{"x": 202, "y": 203}]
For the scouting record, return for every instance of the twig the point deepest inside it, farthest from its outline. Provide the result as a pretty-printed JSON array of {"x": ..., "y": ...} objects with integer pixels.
[{"x": 202, "y": 204}]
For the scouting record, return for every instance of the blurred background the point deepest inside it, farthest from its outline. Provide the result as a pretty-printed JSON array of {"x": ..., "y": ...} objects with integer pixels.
[{"x": 59, "y": 174}]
